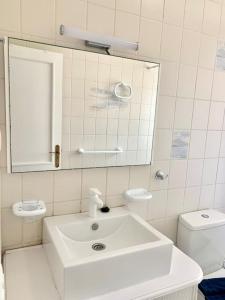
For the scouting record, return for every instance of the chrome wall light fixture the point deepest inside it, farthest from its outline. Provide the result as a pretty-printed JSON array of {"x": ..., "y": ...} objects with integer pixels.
[{"x": 96, "y": 40}]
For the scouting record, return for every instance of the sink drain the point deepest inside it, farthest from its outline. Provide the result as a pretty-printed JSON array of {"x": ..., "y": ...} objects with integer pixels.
[{"x": 98, "y": 246}]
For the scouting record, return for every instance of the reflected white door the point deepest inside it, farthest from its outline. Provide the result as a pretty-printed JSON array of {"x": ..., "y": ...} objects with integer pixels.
[{"x": 35, "y": 108}]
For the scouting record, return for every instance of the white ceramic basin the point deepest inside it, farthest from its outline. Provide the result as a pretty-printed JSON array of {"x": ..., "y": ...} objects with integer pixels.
[{"x": 123, "y": 251}]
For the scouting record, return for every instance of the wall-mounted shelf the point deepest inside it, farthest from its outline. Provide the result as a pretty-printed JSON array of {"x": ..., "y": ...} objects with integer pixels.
[{"x": 30, "y": 209}]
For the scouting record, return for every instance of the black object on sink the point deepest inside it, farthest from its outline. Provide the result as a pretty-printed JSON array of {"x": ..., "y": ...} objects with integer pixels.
[{"x": 105, "y": 209}]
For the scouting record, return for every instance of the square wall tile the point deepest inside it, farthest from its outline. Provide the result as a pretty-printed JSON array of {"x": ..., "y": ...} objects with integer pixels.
[
  {"x": 107, "y": 3},
  {"x": 222, "y": 145},
  {"x": 191, "y": 199},
  {"x": 200, "y": 115},
  {"x": 174, "y": 12},
  {"x": 207, "y": 197},
  {"x": 100, "y": 19},
  {"x": 209, "y": 171},
  {"x": 77, "y": 89},
  {"x": 211, "y": 20},
  {"x": 38, "y": 185},
  {"x": 117, "y": 181},
  {"x": 165, "y": 112},
  {"x": 139, "y": 177},
  {"x": 178, "y": 170},
  {"x": 89, "y": 126},
  {"x": 222, "y": 23},
  {"x": 157, "y": 205},
  {"x": 194, "y": 14},
  {"x": 154, "y": 30},
  {"x": 11, "y": 186},
  {"x": 32, "y": 233},
  {"x": 197, "y": 144},
  {"x": 77, "y": 126},
  {"x": 152, "y": 9},
  {"x": 141, "y": 208},
  {"x": 115, "y": 201},
  {"x": 207, "y": 53},
  {"x": 67, "y": 207},
  {"x": 218, "y": 92},
  {"x": 183, "y": 114},
  {"x": 93, "y": 178},
  {"x": 216, "y": 116},
  {"x": 131, "y": 6},
  {"x": 67, "y": 88},
  {"x": 174, "y": 202},
  {"x": 171, "y": 42},
  {"x": 194, "y": 172},
  {"x": 123, "y": 127},
  {"x": 67, "y": 185},
  {"x": 204, "y": 84},
  {"x": 11, "y": 229},
  {"x": 38, "y": 17},
  {"x": 186, "y": 81},
  {"x": 219, "y": 196},
  {"x": 162, "y": 146},
  {"x": 190, "y": 47},
  {"x": 9, "y": 15},
  {"x": 221, "y": 171},
  {"x": 127, "y": 26},
  {"x": 72, "y": 13},
  {"x": 213, "y": 144},
  {"x": 171, "y": 228},
  {"x": 168, "y": 79}
]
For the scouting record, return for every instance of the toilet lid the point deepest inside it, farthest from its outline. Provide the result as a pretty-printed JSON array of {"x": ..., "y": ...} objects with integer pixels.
[{"x": 202, "y": 219}]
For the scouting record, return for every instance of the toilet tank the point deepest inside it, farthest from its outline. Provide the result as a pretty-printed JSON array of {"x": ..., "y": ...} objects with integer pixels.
[{"x": 201, "y": 235}]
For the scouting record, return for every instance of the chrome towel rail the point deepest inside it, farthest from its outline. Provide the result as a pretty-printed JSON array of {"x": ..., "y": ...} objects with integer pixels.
[{"x": 115, "y": 151}]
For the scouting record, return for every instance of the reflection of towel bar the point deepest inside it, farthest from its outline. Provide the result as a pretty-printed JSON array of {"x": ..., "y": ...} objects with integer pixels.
[{"x": 115, "y": 151}]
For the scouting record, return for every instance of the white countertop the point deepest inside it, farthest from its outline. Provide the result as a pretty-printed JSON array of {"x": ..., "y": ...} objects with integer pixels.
[{"x": 28, "y": 278}]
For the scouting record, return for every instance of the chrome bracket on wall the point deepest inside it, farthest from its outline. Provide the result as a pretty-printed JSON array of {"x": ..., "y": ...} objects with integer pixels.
[{"x": 160, "y": 175}]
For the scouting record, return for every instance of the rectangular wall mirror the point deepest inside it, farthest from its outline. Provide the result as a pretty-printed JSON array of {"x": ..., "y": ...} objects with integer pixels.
[{"x": 68, "y": 108}]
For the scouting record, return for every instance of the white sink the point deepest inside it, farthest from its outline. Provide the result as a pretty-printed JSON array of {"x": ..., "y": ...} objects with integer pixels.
[{"x": 123, "y": 251}]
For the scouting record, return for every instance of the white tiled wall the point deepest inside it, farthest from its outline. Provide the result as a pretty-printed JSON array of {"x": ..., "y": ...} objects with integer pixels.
[{"x": 181, "y": 34}]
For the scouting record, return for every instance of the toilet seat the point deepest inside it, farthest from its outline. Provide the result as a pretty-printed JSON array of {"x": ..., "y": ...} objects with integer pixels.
[{"x": 219, "y": 273}]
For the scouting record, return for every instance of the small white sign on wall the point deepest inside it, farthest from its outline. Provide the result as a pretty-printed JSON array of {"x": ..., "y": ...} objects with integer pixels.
[
  {"x": 180, "y": 144},
  {"x": 220, "y": 57}
]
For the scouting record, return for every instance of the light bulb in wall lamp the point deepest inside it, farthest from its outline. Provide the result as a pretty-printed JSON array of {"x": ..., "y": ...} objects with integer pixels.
[{"x": 94, "y": 39}]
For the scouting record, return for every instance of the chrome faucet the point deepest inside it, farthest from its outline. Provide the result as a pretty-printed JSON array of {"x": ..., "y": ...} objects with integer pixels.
[{"x": 94, "y": 202}]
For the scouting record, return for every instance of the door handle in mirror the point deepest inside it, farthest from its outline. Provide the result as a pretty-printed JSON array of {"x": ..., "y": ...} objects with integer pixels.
[{"x": 57, "y": 155}]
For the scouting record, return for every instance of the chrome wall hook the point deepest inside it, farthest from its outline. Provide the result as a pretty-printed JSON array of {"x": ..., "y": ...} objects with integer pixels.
[{"x": 160, "y": 175}]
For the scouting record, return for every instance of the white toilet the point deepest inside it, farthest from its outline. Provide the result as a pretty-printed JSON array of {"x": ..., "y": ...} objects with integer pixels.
[{"x": 201, "y": 235}]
